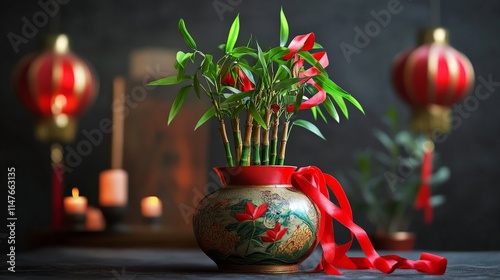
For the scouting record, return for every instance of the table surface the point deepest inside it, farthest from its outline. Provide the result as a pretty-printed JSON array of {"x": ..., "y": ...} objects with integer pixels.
[{"x": 121, "y": 264}]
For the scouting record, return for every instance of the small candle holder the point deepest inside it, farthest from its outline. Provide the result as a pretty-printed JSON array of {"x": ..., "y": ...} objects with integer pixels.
[
  {"x": 75, "y": 210},
  {"x": 113, "y": 195},
  {"x": 76, "y": 221},
  {"x": 153, "y": 222},
  {"x": 114, "y": 216},
  {"x": 151, "y": 210}
]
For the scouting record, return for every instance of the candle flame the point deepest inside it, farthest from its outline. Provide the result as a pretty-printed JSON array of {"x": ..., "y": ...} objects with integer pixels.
[
  {"x": 75, "y": 192},
  {"x": 154, "y": 200}
]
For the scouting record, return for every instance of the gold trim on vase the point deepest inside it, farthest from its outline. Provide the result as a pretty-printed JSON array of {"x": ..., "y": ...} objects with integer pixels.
[
  {"x": 284, "y": 268},
  {"x": 258, "y": 186}
]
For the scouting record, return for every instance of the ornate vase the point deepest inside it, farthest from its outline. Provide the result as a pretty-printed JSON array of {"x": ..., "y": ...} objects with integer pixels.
[{"x": 257, "y": 222}]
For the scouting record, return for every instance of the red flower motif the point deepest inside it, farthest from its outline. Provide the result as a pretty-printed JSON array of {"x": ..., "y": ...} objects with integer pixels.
[
  {"x": 241, "y": 81},
  {"x": 273, "y": 236},
  {"x": 251, "y": 212}
]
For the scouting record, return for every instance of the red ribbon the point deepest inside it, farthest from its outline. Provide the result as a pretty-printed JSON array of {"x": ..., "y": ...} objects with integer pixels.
[
  {"x": 423, "y": 200},
  {"x": 314, "y": 183},
  {"x": 57, "y": 194}
]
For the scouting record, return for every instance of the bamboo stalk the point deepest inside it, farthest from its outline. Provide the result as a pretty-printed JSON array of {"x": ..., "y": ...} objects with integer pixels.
[
  {"x": 238, "y": 145},
  {"x": 265, "y": 137},
  {"x": 225, "y": 141},
  {"x": 274, "y": 139},
  {"x": 284, "y": 139},
  {"x": 247, "y": 141},
  {"x": 256, "y": 144}
]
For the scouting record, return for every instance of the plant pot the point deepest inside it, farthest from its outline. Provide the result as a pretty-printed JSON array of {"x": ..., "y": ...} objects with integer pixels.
[
  {"x": 257, "y": 222},
  {"x": 394, "y": 241}
]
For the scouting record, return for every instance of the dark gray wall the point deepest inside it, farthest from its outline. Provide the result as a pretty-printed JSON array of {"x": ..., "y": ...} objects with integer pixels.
[{"x": 104, "y": 32}]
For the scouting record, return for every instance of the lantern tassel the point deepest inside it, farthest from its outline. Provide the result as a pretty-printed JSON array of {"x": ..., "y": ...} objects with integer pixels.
[
  {"x": 57, "y": 185},
  {"x": 423, "y": 199}
]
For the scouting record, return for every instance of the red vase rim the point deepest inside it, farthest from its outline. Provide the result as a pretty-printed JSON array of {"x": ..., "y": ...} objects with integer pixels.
[{"x": 255, "y": 175}]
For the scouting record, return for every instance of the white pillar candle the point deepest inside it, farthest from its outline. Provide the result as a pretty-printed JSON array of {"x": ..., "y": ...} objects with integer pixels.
[
  {"x": 75, "y": 204},
  {"x": 151, "y": 207},
  {"x": 113, "y": 188}
]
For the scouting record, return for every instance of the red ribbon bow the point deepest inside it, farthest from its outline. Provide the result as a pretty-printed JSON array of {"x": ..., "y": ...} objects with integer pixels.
[
  {"x": 306, "y": 42},
  {"x": 314, "y": 183}
]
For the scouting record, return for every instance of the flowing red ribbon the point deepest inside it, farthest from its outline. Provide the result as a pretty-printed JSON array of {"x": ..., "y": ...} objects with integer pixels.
[
  {"x": 305, "y": 43},
  {"x": 423, "y": 200},
  {"x": 314, "y": 183}
]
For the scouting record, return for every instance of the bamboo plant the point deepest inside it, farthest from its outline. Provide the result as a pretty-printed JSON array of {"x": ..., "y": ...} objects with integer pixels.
[{"x": 267, "y": 87}]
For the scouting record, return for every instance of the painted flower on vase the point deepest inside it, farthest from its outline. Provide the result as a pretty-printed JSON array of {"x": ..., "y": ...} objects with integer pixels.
[
  {"x": 251, "y": 212},
  {"x": 274, "y": 235}
]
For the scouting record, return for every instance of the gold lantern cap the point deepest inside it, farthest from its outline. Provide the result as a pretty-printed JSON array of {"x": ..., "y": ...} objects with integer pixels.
[
  {"x": 433, "y": 35},
  {"x": 58, "y": 43}
]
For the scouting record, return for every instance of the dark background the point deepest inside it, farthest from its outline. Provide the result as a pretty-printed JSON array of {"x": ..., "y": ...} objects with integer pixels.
[{"x": 105, "y": 32}]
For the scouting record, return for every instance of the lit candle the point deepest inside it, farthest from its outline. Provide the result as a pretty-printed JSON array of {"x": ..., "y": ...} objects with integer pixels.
[
  {"x": 113, "y": 188},
  {"x": 74, "y": 205},
  {"x": 151, "y": 207}
]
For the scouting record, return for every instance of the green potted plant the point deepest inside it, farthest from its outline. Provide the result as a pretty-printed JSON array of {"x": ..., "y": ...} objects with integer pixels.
[
  {"x": 385, "y": 183},
  {"x": 254, "y": 223}
]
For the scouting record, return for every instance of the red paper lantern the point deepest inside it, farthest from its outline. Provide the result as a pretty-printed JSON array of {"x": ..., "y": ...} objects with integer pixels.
[
  {"x": 57, "y": 86},
  {"x": 431, "y": 78}
]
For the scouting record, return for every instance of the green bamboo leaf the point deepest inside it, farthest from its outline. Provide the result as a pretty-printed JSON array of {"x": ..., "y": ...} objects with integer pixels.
[
  {"x": 232, "y": 89},
  {"x": 392, "y": 114},
  {"x": 185, "y": 35},
  {"x": 277, "y": 53},
  {"x": 283, "y": 28},
  {"x": 239, "y": 52},
  {"x": 334, "y": 90},
  {"x": 309, "y": 126},
  {"x": 328, "y": 104},
  {"x": 243, "y": 50},
  {"x": 238, "y": 96},
  {"x": 178, "y": 56},
  {"x": 170, "y": 80},
  {"x": 177, "y": 105},
  {"x": 437, "y": 200},
  {"x": 341, "y": 103},
  {"x": 236, "y": 112},
  {"x": 285, "y": 84},
  {"x": 263, "y": 63},
  {"x": 311, "y": 60},
  {"x": 247, "y": 69},
  {"x": 384, "y": 139},
  {"x": 182, "y": 58},
  {"x": 440, "y": 176},
  {"x": 314, "y": 111},
  {"x": 317, "y": 46},
  {"x": 232, "y": 37},
  {"x": 321, "y": 114},
  {"x": 256, "y": 116},
  {"x": 355, "y": 102},
  {"x": 282, "y": 73},
  {"x": 208, "y": 114},
  {"x": 206, "y": 64}
]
